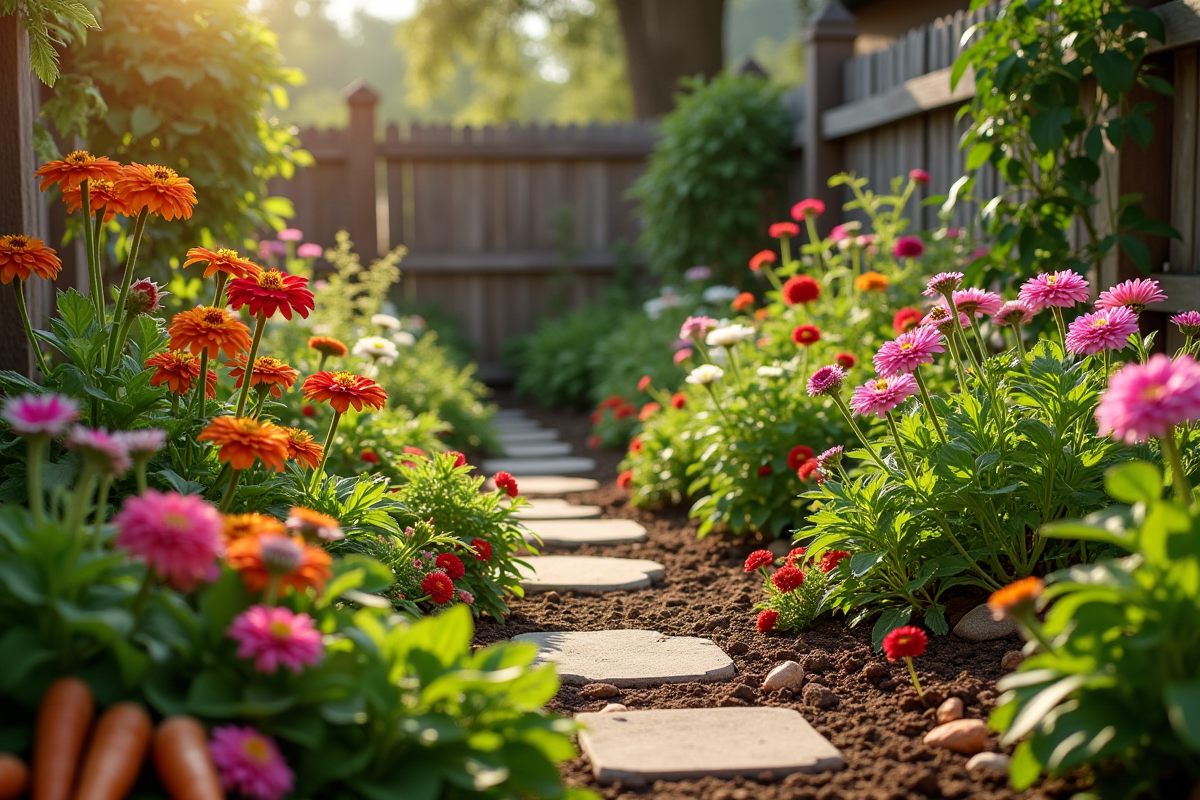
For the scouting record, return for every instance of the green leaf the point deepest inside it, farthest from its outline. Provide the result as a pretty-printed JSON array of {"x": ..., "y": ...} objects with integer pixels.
[
  {"x": 76, "y": 312},
  {"x": 1025, "y": 769},
  {"x": 888, "y": 621},
  {"x": 1134, "y": 482},
  {"x": 1183, "y": 709},
  {"x": 862, "y": 563},
  {"x": 143, "y": 121},
  {"x": 1034, "y": 710},
  {"x": 1046, "y": 128},
  {"x": 1114, "y": 71}
]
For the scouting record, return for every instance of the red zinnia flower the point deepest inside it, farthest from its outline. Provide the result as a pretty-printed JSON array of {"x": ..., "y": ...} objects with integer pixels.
[
  {"x": 919, "y": 176},
  {"x": 625, "y": 479},
  {"x": 342, "y": 390},
  {"x": 439, "y": 587},
  {"x": 905, "y": 642},
  {"x": 506, "y": 482},
  {"x": 459, "y": 459},
  {"x": 308, "y": 410},
  {"x": 830, "y": 560},
  {"x": 635, "y": 445},
  {"x": 767, "y": 619},
  {"x": 812, "y": 207},
  {"x": 788, "y": 579},
  {"x": 765, "y": 471},
  {"x": 271, "y": 291},
  {"x": 845, "y": 360},
  {"x": 593, "y": 442},
  {"x": 801, "y": 289},
  {"x": 483, "y": 549},
  {"x": 623, "y": 412},
  {"x": 796, "y": 555},
  {"x": 452, "y": 565},
  {"x": 806, "y": 470},
  {"x": 780, "y": 229},
  {"x": 648, "y": 411},
  {"x": 678, "y": 400},
  {"x": 906, "y": 319},
  {"x": 806, "y": 335},
  {"x": 370, "y": 456},
  {"x": 759, "y": 559},
  {"x": 644, "y": 383},
  {"x": 760, "y": 258},
  {"x": 268, "y": 372},
  {"x": 798, "y": 455},
  {"x": 742, "y": 301}
]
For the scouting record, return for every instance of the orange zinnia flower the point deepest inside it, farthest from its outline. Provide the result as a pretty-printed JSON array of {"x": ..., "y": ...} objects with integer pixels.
[
  {"x": 327, "y": 345},
  {"x": 102, "y": 195},
  {"x": 224, "y": 260},
  {"x": 159, "y": 190},
  {"x": 76, "y": 168},
  {"x": 342, "y": 390},
  {"x": 268, "y": 371},
  {"x": 241, "y": 526},
  {"x": 245, "y": 555},
  {"x": 212, "y": 329},
  {"x": 244, "y": 440},
  {"x": 21, "y": 256},
  {"x": 1016, "y": 597},
  {"x": 178, "y": 369},
  {"x": 871, "y": 282},
  {"x": 301, "y": 448},
  {"x": 272, "y": 291}
]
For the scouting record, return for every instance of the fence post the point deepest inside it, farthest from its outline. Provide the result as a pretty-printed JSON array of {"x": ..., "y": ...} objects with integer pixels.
[
  {"x": 828, "y": 42},
  {"x": 360, "y": 169}
]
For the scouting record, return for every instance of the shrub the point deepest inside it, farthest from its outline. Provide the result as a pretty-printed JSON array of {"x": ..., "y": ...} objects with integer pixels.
[{"x": 555, "y": 363}]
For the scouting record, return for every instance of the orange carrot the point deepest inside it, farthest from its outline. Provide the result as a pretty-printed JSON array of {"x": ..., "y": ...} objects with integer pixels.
[
  {"x": 116, "y": 753},
  {"x": 182, "y": 761},
  {"x": 62, "y": 726},
  {"x": 14, "y": 777}
]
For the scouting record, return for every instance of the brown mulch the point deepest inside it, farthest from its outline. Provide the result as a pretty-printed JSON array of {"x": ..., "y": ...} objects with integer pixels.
[{"x": 861, "y": 702}]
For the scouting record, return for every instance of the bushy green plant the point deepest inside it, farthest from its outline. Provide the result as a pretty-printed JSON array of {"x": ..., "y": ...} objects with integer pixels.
[
  {"x": 638, "y": 347},
  {"x": 722, "y": 153},
  {"x": 796, "y": 593},
  {"x": 555, "y": 363}
]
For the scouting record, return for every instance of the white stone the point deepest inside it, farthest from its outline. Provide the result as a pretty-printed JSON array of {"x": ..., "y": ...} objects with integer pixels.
[
  {"x": 564, "y": 511},
  {"x": 989, "y": 762},
  {"x": 613, "y": 708},
  {"x": 978, "y": 625},
  {"x": 588, "y": 574},
  {"x": 787, "y": 674},
  {"x": 536, "y": 450},
  {"x": 504, "y": 426},
  {"x": 574, "y": 533},
  {"x": 639, "y": 747},
  {"x": 566, "y": 465},
  {"x": 509, "y": 413},
  {"x": 630, "y": 657},
  {"x": 541, "y": 485},
  {"x": 528, "y": 437}
]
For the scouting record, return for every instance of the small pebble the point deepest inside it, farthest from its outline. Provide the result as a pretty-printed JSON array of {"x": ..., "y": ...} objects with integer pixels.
[
  {"x": 989, "y": 762},
  {"x": 787, "y": 674},
  {"x": 613, "y": 708},
  {"x": 599, "y": 691},
  {"x": 1012, "y": 659},
  {"x": 874, "y": 671},
  {"x": 553, "y": 598},
  {"x": 966, "y": 736},
  {"x": 744, "y": 692},
  {"x": 950, "y": 710},
  {"x": 818, "y": 662},
  {"x": 737, "y": 648},
  {"x": 820, "y": 696}
]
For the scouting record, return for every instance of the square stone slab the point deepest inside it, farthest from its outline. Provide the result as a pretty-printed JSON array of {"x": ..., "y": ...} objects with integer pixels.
[
  {"x": 631, "y": 658},
  {"x": 564, "y": 511},
  {"x": 568, "y": 465},
  {"x": 572, "y": 533},
  {"x": 509, "y": 413},
  {"x": 528, "y": 437},
  {"x": 503, "y": 426},
  {"x": 536, "y": 449},
  {"x": 542, "y": 485},
  {"x": 588, "y": 574},
  {"x": 639, "y": 747}
]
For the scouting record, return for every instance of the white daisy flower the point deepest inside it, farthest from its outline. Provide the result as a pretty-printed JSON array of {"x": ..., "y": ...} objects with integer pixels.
[
  {"x": 729, "y": 336},
  {"x": 385, "y": 321},
  {"x": 376, "y": 348},
  {"x": 705, "y": 374}
]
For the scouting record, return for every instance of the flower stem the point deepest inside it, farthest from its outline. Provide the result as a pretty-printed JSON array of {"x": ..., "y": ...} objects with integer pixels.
[
  {"x": 81, "y": 498},
  {"x": 101, "y": 505},
  {"x": 219, "y": 297},
  {"x": 891, "y": 420},
  {"x": 717, "y": 403},
  {"x": 320, "y": 470},
  {"x": 912, "y": 671},
  {"x": 1062, "y": 326},
  {"x": 958, "y": 365},
  {"x": 89, "y": 246},
  {"x": 937, "y": 425},
  {"x": 785, "y": 247},
  {"x": 841, "y": 404},
  {"x": 33, "y": 342},
  {"x": 1183, "y": 489},
  {"x": 36, "y": 449},
  {"x": 258, "y": 334},
  {"x": 815, "y": 241},
  {"x": 229, "y": 492},
  {"x": 139, "y": 228},
  {"x": 1020, "y": 342},
  {"x": 957, "y": 328},
  {"x": 202, "y": 387}
]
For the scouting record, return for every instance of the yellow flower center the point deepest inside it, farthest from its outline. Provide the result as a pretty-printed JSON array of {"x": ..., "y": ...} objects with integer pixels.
[
  {"x": 267, "y": 362},
  {"x": 343, "y": 379},
  {"x": 16, "y": 242},
  {"x": 177, "y": 521},
  {"x": 79, "y": 158},
  {"x": 1099, "y": 322},
  {"x": 298, "y": 436},
  {"x": 163, "y": 175},
  {"x": 1152, "y": 392},
  {"x": 281, "y": 630},
  {"x": 214, "y": 316},
  {"x": 907, "y": 346},
  {"x": 881, "y": 385},
  {"x": 103, "y": 186},
  {"x": 256, "y": 749},
  {"x": 1051, "y": 280},
  {"x": 225, "y": 252},
  {"x": 272, "y": 279}
]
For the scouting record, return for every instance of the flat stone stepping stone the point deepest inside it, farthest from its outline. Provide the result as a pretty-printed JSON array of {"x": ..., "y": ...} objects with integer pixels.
[
  {"x": 504, "y": 426},
  {"x": 639, "y": 747},
  {"x": 628, "y": 658},
  {"x": 542, "y": 485},
  {"x": 557, "y": 512},
  {"x": 528, "y": 437},
  {"x": 573, "y": 533},
  {"x": 536, "y": 449},
  {"x": 568, "y": 465},
  {"x": 509, "y": 413},
  {"x": 588, "y": 574}
]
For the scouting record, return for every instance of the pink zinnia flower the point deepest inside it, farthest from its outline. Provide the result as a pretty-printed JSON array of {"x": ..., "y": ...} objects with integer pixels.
[
  {"x": 811, "y": 207},
  {"x": 826, "y": 380},
  {"x": 271, "y": 248},
  {"x": 697, "y": 328},
  {"x": 1188, "y": 322},
  {"x": 908, "y": 351},
  {"x": 276, "y": 637},
  {"x": 101, "y": 448},
  {"x": 908, "y": 247},
  {"x": 289, "y": 235},
  {"x": 918, "y": 176},
  {"x": 39, "y": 414},
  {"x": 250, "y": 763},
  {"x": 780, "y": 229},
  {"x": 844, "y": 231},
  {"x": 977, "y": 302},
  {"x": 1135, "y": 295},
  {"x": 1063, "y": 289},
  {"x": 682, "y": 355},
  {"x": 1102, "y": 330},
  {"x": 466, "y": 597},
  {"x": 177, "y": 535},
  {"x": 939, "y": 317},
  {"x": 142, "y": 443},
  {"x": 830, "y": 458},
  {"x": 881, "y": 395},
  {"x": 1012, "y": 312},
  {"x": 310, "y": 250},
  {"x": 943, "y": 282},
  {"x": 1149, "y": 400}
]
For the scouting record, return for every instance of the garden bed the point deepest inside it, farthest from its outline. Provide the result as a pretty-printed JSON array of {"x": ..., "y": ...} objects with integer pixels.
[{"x": 878, "y": 722}]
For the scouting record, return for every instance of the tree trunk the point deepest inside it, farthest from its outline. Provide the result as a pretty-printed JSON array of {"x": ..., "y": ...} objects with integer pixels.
[{"x": 666, "y": 40}]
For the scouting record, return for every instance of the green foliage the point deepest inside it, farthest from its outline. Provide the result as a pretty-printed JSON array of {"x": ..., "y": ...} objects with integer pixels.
[
  {"x": 51, "y": 24},
  {"x": 1115, "y": 683},
  {"x": 1045, "y": 131},
  {"x": 798, "y": 608},
  {"x": 555, "y": 363},
  {"x": 723, "y": 150}
]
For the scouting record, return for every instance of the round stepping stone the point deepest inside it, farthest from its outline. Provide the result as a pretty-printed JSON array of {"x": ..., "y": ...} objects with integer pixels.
[
  {"x": 528, "y": 437},
  {"x": 509, "y": 413},
  {"x": 639, "y": 747},
  {"x": 539, "y": 466},
  {"x": 630, "y": 657},
  {"x": 556, "y": 512},
  {"x": 503, "y": 426},
  {"x": 573, "y": 533},
  {"x": 541, "y": 485},
  {"x": 536, "y": 449},
  {"x": 588, "y": 574}
]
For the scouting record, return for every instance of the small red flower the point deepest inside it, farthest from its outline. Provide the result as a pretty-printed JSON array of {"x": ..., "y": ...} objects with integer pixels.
[
  {"x": 459, "y": 459},
  {"x": 765, "y": 471},
  {"x": 644, "y": 383},
  {"x": 845, "y": 360},
  {"x": 759, "y": 559},
  {"x": 906, "y": 319},
  {"x": 796, "y": 555},
  {"x": 439, "y": 587},
  {"x": 767, "y": 619},
  {"x": 451, "y": 564},
  {"x": 593, "y": 442},
  {"x": 635, "y": 445},
  {"x": 798, "y": 455},
  {"x": 831, "y": 559},
  {"x": 801, "y": 289},
  {"x": 905, "y": 642},
  {"x": 811, "y": 207},
  {"x": 648, "y": 411},
  {"x": 412, "y": 451},
  {"x": 742, "y": 301},
  {"x": 919, "y": 176},
  {"x": 806, "y": 335},
  {"x": 788, "y": 579},
  {"x": 272, "y": 291},
  {"x": 780, "y": 229},
  {"x": 806, "y": 470},
  {"x": 308, "y": 411},
  {"x": 507, "y": 482},
  {"x": 678, "y": 400},
  {"x": 612, "y": 401},
  {"x": 625, "y": 479},
  {"x": 624, "y": 412},
  {"x": 483, "y": 549},
  {"x": 595, "y": 417},
  {"x": 370, "y": 456},
  {"x": 761, "y": 257}
]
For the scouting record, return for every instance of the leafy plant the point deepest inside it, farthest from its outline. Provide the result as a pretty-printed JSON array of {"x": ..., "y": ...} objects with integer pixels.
[
  {"x": 50, "y": 23},
  {"x": 555, "y": 363}
]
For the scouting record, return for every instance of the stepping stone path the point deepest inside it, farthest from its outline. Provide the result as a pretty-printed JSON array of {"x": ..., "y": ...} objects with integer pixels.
[
  {"x": 588, "y": 574},
  {"x": 504, "y": 426},
  {"x": 541, "y": 485},
  {"x": 528, "y": 437},
  {"x": 569, "y": 465},
  {"x": 537, "y": 511},
  {"x": 639, "y": 747},
  {"x": 627, "y": 658},
  {"x": 536, "y": 449},
  {"x": 573, "y": 533}
]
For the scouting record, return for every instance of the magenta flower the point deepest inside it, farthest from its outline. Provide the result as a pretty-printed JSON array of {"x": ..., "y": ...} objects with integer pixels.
[
  {"x": 830, "y": 458},
  {"x": 943, "y": 282},
  {"x": 466, "y": 596},
  {"x": 908, "y": 247},
  {"x": 1102, "y": 330},
  {"x": 1149, "y": 400},
  {"x": 918, "y": 176},
  {"x": 696, "y": 328},
  {"x": 276, "y": 637},
  {"x": 39, "y": 414},
  {"x": 145, "y": 297},
  {"x": 142, "y": 443},
  {"x": 881, "y": 395},
  {"x": 100, "y": 448},
  {"x": 1134, "y": 295},
  {"x": 908, "y": 351},
  {"x": 1062, "y": 289},
  {"x": 1188, "y": 322},
  {"x": 826, "y": 380},
  {"x": 310, "y": 250},
  {"x": 289, "y": 235},
  {"x": 177, "y": 535},
  {"x": 250, "y": 763},
  {"x": 1013, "y": 312},
  {"x": 939, "y": 317},
  {"x": 844, "y": 231},
  {"x": 977, "y": 302}
]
